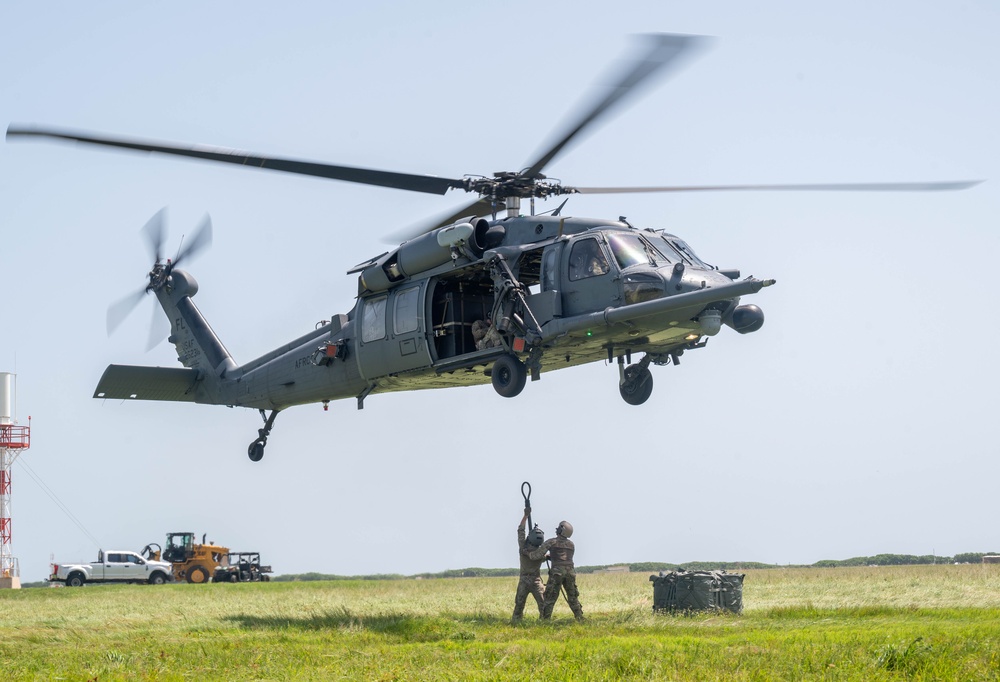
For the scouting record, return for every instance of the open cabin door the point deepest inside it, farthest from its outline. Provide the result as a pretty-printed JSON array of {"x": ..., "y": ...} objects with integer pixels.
[{"x": 457, "y": 304}]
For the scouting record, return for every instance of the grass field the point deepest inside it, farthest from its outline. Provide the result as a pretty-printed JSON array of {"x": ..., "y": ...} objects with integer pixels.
[{"x": 888, "y": 623}]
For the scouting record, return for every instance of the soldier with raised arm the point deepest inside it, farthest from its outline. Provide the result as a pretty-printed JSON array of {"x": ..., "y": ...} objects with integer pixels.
[
  {"x": 530, "y": 579},
  {"x": 562, "y": 573}
]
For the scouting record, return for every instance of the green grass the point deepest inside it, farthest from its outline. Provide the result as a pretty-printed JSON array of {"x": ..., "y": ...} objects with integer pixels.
[{"x": 889, "y": 623}]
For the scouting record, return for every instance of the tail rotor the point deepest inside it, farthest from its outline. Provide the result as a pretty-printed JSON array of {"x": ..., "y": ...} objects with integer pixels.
[{"x": 154, "y": 234}]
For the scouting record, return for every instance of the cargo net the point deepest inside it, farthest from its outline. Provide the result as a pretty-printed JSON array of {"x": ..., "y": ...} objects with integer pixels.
[{"x": 688, "y": 591}]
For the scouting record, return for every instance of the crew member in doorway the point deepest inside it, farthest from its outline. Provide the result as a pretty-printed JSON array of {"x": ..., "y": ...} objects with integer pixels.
[{"x": 485, "y": 334}]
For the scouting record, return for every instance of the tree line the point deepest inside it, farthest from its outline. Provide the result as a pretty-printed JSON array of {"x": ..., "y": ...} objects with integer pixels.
[{"x": 654, "y": 567}]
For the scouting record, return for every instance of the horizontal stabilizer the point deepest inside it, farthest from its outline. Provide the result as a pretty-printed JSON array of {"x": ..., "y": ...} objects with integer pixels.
[{"x": 127, "y": 382}]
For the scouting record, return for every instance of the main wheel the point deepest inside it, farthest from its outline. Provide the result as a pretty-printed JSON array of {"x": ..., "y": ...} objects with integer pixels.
[
  {"x": 256, "y": 451},
  {"x": 197, "y": 574},
  {"x": 638, "y": 385},
  {"x": 509, "y": 376}
]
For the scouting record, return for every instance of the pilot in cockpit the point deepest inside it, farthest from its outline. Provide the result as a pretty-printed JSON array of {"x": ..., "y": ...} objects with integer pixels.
[{"x": 587, "y": 261}]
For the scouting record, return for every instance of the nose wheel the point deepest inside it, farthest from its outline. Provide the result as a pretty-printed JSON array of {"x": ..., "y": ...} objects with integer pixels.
[{"x": 256, "y": 449}]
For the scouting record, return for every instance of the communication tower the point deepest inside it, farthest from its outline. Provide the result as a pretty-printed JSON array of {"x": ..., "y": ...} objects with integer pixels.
[{"x": 14, "y": 440}]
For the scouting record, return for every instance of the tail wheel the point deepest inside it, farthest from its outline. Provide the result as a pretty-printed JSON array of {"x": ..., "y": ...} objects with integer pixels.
[
  {"x": 256, "y": 451},
  {"x": 197, "y": 574},
  {"x": 638, "y": 385},
  {"x": 509, "y": 376}
]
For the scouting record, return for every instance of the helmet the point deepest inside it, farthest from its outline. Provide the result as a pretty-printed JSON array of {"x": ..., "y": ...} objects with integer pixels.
[
  {"x": 537, "y": 537},
  {"x": 565, "y": 529}
]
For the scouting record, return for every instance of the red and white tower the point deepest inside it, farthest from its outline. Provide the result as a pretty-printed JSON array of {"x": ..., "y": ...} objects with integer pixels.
[{"x": 14, "y": 440}]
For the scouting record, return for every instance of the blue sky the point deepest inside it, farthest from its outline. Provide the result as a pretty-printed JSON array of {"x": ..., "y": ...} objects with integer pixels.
[{"x": 858, "y": 420}]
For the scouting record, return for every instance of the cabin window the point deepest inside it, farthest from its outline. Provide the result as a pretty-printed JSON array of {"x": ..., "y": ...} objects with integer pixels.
[
  {"x": 373, "y": 321},
  {"x": 587, "y": 260},
  {"x": 404, "y": 318}
]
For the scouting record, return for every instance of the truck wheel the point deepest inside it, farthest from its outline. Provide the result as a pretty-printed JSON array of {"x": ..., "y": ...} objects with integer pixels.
[
  {"x": 234, "y": 578},
  {"x": 157, "y": 579},
  {"x": 75, "y": 580},
  {"x": 197, "y": 574}
]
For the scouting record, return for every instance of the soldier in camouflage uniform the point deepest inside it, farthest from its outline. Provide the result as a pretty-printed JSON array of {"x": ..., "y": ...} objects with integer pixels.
[
  {"x": 485, "y": 334},
  {"x": 530, "y": 580},
  {"x": 561, "y": 574}
]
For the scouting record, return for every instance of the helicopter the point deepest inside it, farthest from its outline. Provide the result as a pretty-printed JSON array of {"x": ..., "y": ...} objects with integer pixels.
[{"x": 485, "y": 294}]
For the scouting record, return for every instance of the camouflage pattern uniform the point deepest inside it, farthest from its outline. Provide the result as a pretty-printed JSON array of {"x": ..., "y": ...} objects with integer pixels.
[
  {"x": 530, "y": 580},
  {"x": 485, "y": 334},
  {"x": 561, "y": 574}
]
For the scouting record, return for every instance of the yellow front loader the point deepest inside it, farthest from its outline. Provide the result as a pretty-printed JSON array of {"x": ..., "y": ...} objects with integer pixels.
[{"x": 195, "y": 563}]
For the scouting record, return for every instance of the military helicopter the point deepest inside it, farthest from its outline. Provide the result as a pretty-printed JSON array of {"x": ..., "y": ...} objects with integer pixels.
[{"x": 476, "y": 297}]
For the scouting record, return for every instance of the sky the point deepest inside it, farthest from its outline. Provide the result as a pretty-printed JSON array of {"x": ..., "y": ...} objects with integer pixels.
[{"x": 859, "y": 420}]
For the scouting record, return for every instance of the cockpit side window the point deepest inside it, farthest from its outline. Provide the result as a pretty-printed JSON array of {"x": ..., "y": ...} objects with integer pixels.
[{"x": 587, "y": 259}]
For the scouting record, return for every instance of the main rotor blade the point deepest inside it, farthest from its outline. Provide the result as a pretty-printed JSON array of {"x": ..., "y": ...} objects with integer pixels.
[
  {"x": 153, "y": 231},
  {"x": 365, "y": 176},
  {"x": 825, "y": 187},
  {"x": 202, "y": 238},
  {"x": 663, "y": 50}
]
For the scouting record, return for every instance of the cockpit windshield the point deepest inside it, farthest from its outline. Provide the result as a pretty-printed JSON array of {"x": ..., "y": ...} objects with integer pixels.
[
  {"x": 630, "y": 249},
  {"x": 679, "y": 246}
]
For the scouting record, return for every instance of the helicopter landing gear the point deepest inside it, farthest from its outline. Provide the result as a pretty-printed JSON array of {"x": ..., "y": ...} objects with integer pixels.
[
  {"x": 636, "y": 384},
  {"x": 509, "y": 376},
  {"x": 256, "y": 449}
]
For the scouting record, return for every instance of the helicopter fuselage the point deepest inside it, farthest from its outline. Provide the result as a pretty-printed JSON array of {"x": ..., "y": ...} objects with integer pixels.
[{"x": 532, "y": 293}]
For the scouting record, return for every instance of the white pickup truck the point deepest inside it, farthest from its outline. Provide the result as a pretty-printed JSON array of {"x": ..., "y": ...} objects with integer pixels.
[{"x": 113, "y": 567}]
